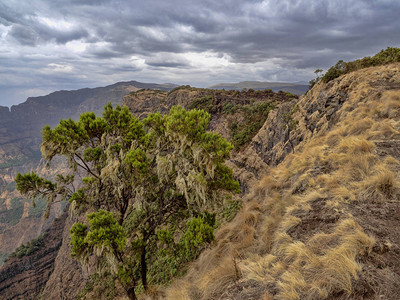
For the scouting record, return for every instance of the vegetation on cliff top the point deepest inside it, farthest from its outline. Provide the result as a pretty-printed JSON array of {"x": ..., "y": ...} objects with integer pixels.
[
  {"x": 384, "y": 57},
  {"x": 149, "y": 188}
]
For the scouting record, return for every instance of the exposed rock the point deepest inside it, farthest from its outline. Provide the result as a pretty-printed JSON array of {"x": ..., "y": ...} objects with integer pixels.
[
  {"x": 25, "y": 277},
  {"x": 69, "y": 276}
]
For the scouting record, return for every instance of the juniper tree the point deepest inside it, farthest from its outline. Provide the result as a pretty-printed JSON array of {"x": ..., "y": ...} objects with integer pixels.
[{"x": 146, "y": 186}]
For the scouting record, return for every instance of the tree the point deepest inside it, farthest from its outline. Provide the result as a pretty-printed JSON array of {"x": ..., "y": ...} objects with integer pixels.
[
  {"x": 148, "y": 185},
  {"x": 312, "y": 82}
]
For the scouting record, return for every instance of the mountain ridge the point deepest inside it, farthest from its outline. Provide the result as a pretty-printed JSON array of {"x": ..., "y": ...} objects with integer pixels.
[{"x": 294, "y": 88}]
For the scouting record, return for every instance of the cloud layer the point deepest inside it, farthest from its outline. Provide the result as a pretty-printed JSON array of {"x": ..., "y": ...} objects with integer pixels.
[{"x": 47, "y": 45}]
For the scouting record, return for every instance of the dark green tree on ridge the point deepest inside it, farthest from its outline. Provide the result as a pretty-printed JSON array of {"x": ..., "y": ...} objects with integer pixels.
[{"x": 146, "y": 187}]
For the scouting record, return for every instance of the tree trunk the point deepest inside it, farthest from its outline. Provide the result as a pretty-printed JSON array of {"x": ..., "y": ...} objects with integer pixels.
[
  {"x": 144, "y": 267},
  {"x": 131, "y": 293}
]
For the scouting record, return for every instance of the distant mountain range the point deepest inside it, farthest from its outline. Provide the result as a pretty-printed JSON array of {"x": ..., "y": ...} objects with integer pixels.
[{"x": 294, "y": 88}]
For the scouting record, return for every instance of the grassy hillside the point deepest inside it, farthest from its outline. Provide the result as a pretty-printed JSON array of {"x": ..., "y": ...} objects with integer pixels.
[{"x": 323, "y": 224}]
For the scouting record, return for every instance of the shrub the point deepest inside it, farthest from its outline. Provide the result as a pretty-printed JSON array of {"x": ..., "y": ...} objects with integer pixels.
[
  {"x": 254, "y": 117},
  {"x": 31, "y": 247},
  {"x": 387, "y": 56},
  {"x": 205, "y": 103}
]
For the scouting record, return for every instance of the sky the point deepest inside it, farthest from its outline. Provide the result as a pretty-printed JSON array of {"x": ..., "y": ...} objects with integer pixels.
[{"x": 49, "y": 45}]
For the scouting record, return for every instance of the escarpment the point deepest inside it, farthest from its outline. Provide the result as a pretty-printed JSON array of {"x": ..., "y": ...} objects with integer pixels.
[{"x": 236, "y": 115}]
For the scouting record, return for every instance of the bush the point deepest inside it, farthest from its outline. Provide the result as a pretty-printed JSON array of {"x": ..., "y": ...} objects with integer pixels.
[
  {"x": 387, "y": 56},
  {"x": 254, "y": 117},
  {"x": 205, "y": 103},
  {"x": 31, "y": 247}
]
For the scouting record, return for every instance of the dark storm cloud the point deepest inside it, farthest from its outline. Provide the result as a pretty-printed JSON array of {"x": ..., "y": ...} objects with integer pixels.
[
  {"x": 180, "y": 41},
  {"x": 39, "y": 33}
]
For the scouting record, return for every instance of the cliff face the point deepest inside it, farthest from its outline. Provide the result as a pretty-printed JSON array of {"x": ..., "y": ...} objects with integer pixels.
[
  {"x": 25, "y": 277},
  {"x": 69, "y": 276}
]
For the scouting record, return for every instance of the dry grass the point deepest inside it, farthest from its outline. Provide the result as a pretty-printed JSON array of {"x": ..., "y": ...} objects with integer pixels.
[
  {"x": 295, "y": 234},
  {"x": 390, "y": 107}
]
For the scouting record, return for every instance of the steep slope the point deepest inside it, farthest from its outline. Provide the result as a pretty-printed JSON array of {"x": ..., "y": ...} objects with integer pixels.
[
  {"x": 323, "y": 223},
  {"x": 321, "y": 220},
  {"x": 25, "y": 277}
]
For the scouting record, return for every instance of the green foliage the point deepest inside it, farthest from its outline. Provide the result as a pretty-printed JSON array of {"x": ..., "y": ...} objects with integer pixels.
[
  {"x": 78, "y": 240},
  {"x": 35, "y": 187},
  {"x": 254, "y": 116},
  {"x": 105, "y": 232},
  {"x": 230, "y": 210},
  {"x": 139, "y": 178},
  {"x": 30, "y": 248},
  {"x": 171, "y": 257},
  {"x": 387, "y": 56},
  {"x": 205, "y": 103},
  {"x": 199, "y": 233},
  {"x": 229, "y": 108}
]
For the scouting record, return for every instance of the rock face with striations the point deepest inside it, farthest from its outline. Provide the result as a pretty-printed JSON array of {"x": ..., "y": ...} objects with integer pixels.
[{"x": 25, "y": 277}]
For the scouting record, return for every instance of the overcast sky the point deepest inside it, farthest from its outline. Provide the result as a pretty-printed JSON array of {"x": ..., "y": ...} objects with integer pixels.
[{"x": 48, "y": 45}]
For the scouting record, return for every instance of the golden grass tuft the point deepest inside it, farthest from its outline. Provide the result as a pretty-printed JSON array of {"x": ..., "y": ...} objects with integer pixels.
[
  {"x": 359, "y": 127},
  {"x": 258, "y": 268},
  {"x": 390, "y": 107},
  {"x": 355, "y": 145},
  {"x": 384, "y": 129},
  {"x": 358, "y": 167},
  {"x": 218, "y": 279},
  {"x": 379, "y": 187},
  {"x": 179, "y": 290}
]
